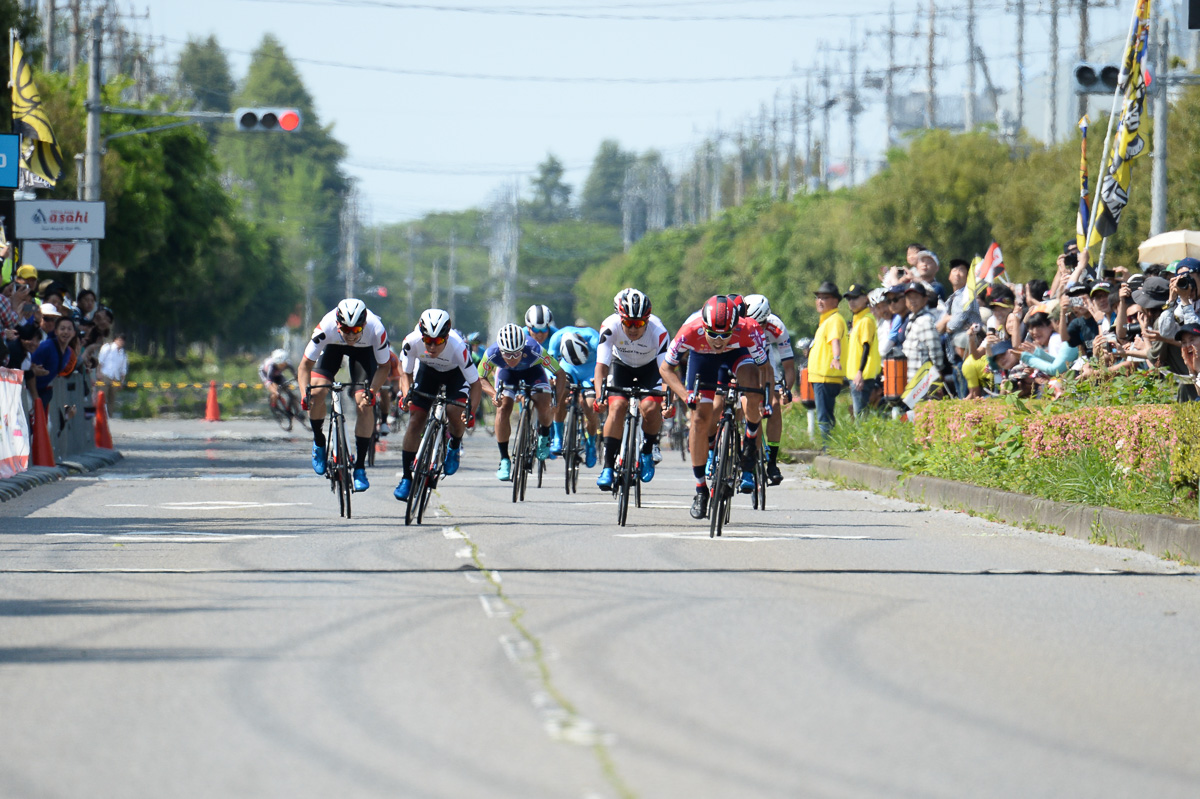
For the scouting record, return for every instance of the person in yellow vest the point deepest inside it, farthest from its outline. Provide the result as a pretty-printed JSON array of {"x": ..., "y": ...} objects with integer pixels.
[
  {"x": 863, "y": 364},
  {"x": 826, "y": 372}
]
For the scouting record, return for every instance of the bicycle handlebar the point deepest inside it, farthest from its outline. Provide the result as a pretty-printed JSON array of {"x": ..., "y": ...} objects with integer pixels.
[
  {"x": 636, "y": 391},
  {"x": 440, "y": 395},
  {"x": 734, "y": 387}
]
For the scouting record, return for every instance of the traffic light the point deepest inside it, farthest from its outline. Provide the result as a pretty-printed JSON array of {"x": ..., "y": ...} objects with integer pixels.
[
  {"x": 1096, "y": 78},
  {"x": 285, "y": 119}
]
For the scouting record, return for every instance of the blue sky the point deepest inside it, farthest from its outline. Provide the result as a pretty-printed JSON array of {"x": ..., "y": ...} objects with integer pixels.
[{"x": 420, "y": 143}]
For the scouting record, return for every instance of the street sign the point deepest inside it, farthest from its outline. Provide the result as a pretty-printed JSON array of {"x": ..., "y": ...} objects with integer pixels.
[
  {"x": 10, "y": 160},
  {"x": 58, "y": 256},
  {"x": 60, "y": 219}
]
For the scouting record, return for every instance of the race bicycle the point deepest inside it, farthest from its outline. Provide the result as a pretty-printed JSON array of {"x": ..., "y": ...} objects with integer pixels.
[
  {"x": 627, "y": 476},
  {"x": 574, "y": 431},
  {"x": 524, "y": 440},
  {"x": 430, "y": 463},
  {"x": 726, "y": 471},
  {"x": 285, "y": 407},
  {"x": 339, "y": 464}
]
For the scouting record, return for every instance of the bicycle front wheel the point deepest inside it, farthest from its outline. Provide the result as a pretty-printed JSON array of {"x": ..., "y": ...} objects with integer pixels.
[
  {"x": 345, "y": 467},
  {"x": 432, "y": 472},
  {"x": 279, "y": 412},
  {"x": 569, "y": 446},
  {"x": 722, "y": 476},
  {"x": 517, "y": 446}
]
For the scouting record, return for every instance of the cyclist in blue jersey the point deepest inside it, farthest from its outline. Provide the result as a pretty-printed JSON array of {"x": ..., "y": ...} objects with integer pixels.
[
  {"x": 575, "y": 348},
  {"x": 517, "y": 358}
]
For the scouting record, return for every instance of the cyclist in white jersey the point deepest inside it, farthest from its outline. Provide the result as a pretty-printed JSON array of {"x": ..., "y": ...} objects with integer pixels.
[
  {"x": 349, "y": 330},
  {"x": 633, "y": 345},
  {"x": 783, "y": 367},
  {"x": 433, "y": 356}
]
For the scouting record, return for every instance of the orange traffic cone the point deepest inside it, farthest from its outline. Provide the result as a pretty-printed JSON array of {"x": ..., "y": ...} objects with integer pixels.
[
  {"x": 43, "y": 451},
  {"x": 103, "y": 437},
  {"x": 213, "y": 412}
]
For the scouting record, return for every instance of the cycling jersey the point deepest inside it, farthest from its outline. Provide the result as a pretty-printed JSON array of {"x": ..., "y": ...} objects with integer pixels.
[
  {"x": 584, "y": 374},
  {"x": 271, "y": 370},
  {"x": 747, "y": 334},
  {"x": 779, "y": 344},
  {"x": 615, "y": 343},
  {"x": 531, "y": 355},
  {"x": 455, "y": 356},
  {"x": 327, "y": 334}
]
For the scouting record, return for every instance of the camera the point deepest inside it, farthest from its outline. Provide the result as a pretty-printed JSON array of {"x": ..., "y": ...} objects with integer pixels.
[
  {"x": 1133, "y": 331},
  {"x": 1071, "y": 259},
  {"x": 1185, "y": 283}
]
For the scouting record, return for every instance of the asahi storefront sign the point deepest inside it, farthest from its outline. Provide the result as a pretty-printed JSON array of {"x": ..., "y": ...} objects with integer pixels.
[{"x": 59, "y": 219}]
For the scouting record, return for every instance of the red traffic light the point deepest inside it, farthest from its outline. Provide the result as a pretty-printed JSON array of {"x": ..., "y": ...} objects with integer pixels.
[
  {"x": 289, "y": 120},
  {"x": 254, "y": 119}
]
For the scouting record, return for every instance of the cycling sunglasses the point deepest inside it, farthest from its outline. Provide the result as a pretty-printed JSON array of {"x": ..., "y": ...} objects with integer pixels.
[
  {"x": 716, "y": 335},
  {"x": 536, "y": 329},
  {"x": 515, "y": 354},
  {"x": 636, "y": 324},
  {"x": 430, "y": 341},
  {"x": 344, "y": 329}
]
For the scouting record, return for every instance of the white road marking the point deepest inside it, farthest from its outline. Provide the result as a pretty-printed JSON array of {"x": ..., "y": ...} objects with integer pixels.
[
  {"x": 226, "y": 504},
  {"x": 494, "y": 607},
  {"x": 744, "y": 535},
  {"x": 451, "y": 533},
  {"x": 126, "y": 505},
  {"x": 466, "y": 553}
]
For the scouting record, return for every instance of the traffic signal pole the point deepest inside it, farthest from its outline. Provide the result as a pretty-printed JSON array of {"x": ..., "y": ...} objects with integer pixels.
[{"x": 91, "y": 158}]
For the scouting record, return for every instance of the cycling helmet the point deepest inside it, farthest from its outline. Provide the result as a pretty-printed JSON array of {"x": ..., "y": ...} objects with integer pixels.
[
  {"x": 719, "y": 314},
  {"x": 351, "y": 313},
  {"x": 633, "y": 304},
  {"x": 574, "y": 349},
  {"x": 619, "y": 296},
  {"x": 434, "y": 323},
  {"x": 511, "y": 339},
  {"x": 757, "y": 307},
  {"x": 279, "y": 356},
  {"x": 538, "y": 317}
]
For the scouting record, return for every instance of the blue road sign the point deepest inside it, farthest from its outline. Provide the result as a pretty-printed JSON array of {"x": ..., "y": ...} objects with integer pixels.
[{"x": 10, "y": 159}]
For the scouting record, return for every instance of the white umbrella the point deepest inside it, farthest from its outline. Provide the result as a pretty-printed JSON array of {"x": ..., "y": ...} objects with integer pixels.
[{"x": 1167, "y": 247}]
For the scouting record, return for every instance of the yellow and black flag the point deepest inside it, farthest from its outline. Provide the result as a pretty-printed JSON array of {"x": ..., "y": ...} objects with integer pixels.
[{"x": 43, "y": 158}]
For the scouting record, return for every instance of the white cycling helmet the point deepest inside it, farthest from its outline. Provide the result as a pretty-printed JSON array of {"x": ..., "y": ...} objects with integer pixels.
[
  {"x": 511, "y": 339},
  {"x": 279, "y": 356},
  {"x": 757, "y": 307},
  {"x": 574, "y": 349},
  {"x": 619, "y": 297},
  {"x": 632, "y": 304},
  {"x": 538, "y": 317},
  {"x": 434, "y": 323},
  {"x": 351, "y": 312}
]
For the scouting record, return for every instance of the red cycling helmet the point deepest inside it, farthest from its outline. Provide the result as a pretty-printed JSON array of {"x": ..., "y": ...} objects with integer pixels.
[{"x": 719, "y": 314}]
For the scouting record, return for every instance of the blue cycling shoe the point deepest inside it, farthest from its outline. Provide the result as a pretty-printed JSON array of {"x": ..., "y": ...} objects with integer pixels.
[
  {"x": 605, "y": 480},
  {"x": 747, "y": 486},
  {"x": 589, "y": 458},
  {"x": 708, "y": 467},
  {"x": 646, "y": 463},
  {"x": 505, "y": 470},
  {"x": 543, "y": 448},
  {"x": 403, "y": 490},
  {"x": 451, "y": 464},
  {"x": 318, "y": 459},
  {"x": 360, "y": 480},
  {"x": 556, "y": 445}
]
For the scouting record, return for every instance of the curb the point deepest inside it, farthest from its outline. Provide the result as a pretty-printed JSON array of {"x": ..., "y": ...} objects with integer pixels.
[
  {"x": 34, "y": 476},
  {"x": 1159, "y": 535}
]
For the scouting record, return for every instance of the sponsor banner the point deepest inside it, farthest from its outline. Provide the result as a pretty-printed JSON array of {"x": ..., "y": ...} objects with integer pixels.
[
  {"x": 59, "y": 219},
  {"x": 14, "y": 426},
  {"x": 10, "y": 160},
  {"x": 58, "y": 256}
]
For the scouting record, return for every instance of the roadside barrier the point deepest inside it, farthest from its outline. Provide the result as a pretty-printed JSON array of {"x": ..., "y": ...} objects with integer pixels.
[{"x": 14, "y": 435}]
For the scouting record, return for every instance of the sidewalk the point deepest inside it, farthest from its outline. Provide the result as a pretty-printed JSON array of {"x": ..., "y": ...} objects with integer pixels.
[
  {"x": 1163, "y": 536},
  {"x": 34, "y": 476}
]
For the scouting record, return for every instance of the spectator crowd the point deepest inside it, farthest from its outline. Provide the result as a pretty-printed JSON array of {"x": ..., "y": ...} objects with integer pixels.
[
  {"x": 987, "y": 337},
  {"x": 48, "y": 331}
]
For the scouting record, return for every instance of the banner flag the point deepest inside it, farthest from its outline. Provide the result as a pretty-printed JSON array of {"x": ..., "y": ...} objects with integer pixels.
[
  {"x": 1085, "y": 210},
  {"x": 42, "y": 155}
]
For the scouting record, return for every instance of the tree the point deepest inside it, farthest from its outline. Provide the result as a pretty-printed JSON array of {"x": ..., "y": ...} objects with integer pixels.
[
  {"x": 601, "y": 198},
  {"x": 551, "y": 197},
  {"x": 204, "y": 72}
]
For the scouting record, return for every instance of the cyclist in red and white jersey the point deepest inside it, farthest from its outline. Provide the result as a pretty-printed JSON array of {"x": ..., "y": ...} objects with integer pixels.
[
  {"x": 434, "y": 356},
  {"x": 783, "y": 367},
  {"x": 720, "y": 342},
  {"x": 348, "y": 331},
  {"x": 633, "y": 346}
]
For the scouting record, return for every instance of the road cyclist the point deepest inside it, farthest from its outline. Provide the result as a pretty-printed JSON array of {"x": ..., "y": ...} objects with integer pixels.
[
  {"x": 352, "y": 332},
  {"x": 720, "y": 341},
  {"x": 539, "y": 326},
  {"x": 633, "y": 348},
  {"x": 783, "y": 375},
  {"x": 432, "y": 357},
  {"x": 284, "y": 404},
  {"x": 575, "y": 350},
  {"x": 517, "y": 358}
]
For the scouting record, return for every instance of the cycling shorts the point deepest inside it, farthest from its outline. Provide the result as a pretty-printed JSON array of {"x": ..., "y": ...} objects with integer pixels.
[
  {"x": 625, "y": 376},
  {"x": 430, "y": 380},
  {"x": 534, "y": 376},
  {"x": 711, "y": 367},
  {"x": 362, "y": 363}
]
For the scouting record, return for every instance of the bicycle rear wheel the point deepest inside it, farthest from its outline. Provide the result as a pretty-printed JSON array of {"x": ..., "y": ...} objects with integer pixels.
[
  {"x": 279, "y": 412},
  {"x": 760, "y": 474},
  {"x": 345, "y": 466},
  {"x": 569, "y": 446},
  {"x": 722, "y": 471}
]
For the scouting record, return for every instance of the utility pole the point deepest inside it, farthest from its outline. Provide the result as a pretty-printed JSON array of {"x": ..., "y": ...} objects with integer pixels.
[
  {"x": 92, "y": 150},
  {"x": 1082, "y": 105},
  {"x": 852, "y": 110},
  {"x": 1020, "y": 65},
  {"x": 1158, "y": 169},
  {"x": 739, "y": 171},
  {"x": 308, "y": 293},
  {"x": 452, "y": 274},
  {"x": 73, "y": 51},
  {"x": 715, "y": 181},
  {"x": 930, "y": 77},
  {"x": 775, "y": 147},
  {"x": 791, "y": 166},
  {"x": 969, "y": 105},
  {"x": 1052, "y": 94},
  {"x": 411, "y": 282},
  {"x": 434, "y": 288},
  {"x": 759, "y": 166},
  {"x": 889, "y": 84},
  {"x": 350, "y": 244},
  {"x": 808, "y": 137},
  {"x": 48, "y": 36},
  {"x": 825, "y": 127}
]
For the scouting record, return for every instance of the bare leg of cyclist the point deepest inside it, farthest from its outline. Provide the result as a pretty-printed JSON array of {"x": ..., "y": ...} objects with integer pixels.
[{"x": 774, "y": 433}]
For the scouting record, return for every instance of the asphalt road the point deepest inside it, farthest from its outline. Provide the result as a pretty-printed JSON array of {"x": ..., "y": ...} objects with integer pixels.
[{"x": 197, "y": 621}]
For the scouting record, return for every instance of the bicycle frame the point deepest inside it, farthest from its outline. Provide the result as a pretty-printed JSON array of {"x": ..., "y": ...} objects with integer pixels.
[
  {"x": 429, "y": 464},
  {"x": 727, "y": 456},
  {"x": 627, "y": 477}
]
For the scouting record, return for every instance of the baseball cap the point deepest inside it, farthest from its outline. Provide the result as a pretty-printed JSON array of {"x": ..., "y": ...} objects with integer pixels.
[
  {"x": 1001, "y": 347},
  {"x": 1154, "y": 293},
  {"x": 1187, "y": 265},
  {"x": 26, "y": 271},
  {"x": 876, "y": 296},
  {"x": 929, "y": 255},
  {"x": 1101, "y": 285},
  {"x": 856, "y": 290},
  {"x": 50, "y": 310},
  {"x": 1077, "y": 289},
  {"x": 1191, "y": 328},
  {"x": 917, "y": 287}
]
